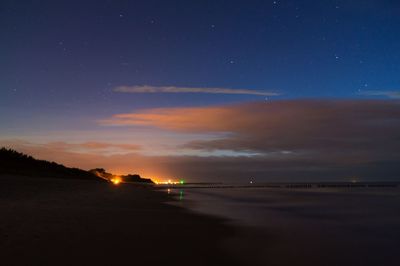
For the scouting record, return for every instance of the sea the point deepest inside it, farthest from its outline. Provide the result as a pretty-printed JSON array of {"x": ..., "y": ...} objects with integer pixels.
[{"x": 304, "y": 225}]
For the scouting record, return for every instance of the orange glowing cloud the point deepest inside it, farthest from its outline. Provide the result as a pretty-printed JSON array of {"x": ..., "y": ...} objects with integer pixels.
[
  {"x": 282, "y": 140},
  {"x": 197, "y": 119},
  {"x": 368, "y": 128},
  {"x": 94, "y": 147}
]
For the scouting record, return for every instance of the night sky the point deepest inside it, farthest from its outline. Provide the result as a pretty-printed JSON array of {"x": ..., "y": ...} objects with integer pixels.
[{"x": 205, "y": 90}]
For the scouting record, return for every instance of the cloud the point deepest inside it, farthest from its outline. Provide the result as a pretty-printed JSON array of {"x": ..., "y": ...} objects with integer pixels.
[
  {"x": 172, "y": 89},
  {"x": 196, "y": 119},
  {"x": 104, "y": 145},
  {"x": 83, "y": 147},
  {"x": 340, "y": 130},
  {"x": 127, "y": 162},
  {"x": 205, "y": 169},
  {"x": 297, "y": 140},
  {"x": 389, "y": 94}
]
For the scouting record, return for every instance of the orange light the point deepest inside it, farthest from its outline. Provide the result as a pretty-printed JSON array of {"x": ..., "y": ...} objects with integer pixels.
[
  {"x": 169, "y": 182},
  {"x": 116, "y": 180}
]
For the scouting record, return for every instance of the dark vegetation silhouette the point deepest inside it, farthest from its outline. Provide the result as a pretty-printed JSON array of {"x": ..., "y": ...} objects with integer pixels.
[
  {"x": 135, "y": 178},
  {"x": 101, "y": 172},
  {"x": 16, "y": 163}
]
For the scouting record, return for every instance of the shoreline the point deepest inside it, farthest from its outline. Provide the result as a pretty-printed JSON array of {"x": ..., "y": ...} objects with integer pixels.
[{"x": 50, "y": 221}]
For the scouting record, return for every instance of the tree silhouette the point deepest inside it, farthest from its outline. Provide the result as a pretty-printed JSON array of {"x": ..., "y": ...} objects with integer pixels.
[{"x": 16, "y": 163}]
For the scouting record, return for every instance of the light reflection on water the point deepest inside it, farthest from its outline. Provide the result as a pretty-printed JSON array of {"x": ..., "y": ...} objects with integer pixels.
[
  {"x": 309, "y": 221},
  {"x": 179, "y": 193}
]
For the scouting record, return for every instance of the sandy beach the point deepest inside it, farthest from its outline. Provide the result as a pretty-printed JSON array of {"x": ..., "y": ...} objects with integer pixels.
[
  {"x": 48, "y": 221},
  {"x": 54, "y": 221}
]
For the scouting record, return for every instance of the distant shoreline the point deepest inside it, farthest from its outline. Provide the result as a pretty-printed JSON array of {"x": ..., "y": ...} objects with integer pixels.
[{"x": 286, "y": 185}]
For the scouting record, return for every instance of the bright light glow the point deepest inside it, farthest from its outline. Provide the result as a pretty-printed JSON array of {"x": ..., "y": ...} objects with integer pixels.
[
  {"x": 170, "y": 182},
  {"x": 116, "y": 180}
]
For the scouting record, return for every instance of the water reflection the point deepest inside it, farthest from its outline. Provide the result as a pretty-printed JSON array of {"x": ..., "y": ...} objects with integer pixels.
[{"x": 181, "y": 195}]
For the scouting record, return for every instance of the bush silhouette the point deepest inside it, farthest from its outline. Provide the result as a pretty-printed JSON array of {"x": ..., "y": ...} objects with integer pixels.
[{"x": 16, "y": 163}]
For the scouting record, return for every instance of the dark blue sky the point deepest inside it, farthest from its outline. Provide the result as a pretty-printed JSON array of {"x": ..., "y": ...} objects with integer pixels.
[
  {"x": 61, "y": 61},
  {"x": 72, "y": 51}
]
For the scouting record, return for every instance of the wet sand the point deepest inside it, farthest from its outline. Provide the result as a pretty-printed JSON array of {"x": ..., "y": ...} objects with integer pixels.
[{"x": 47, "y": 221}]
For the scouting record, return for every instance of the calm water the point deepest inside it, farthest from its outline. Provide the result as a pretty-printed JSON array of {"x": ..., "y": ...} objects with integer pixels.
[{"x": 319, "y": 226}]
